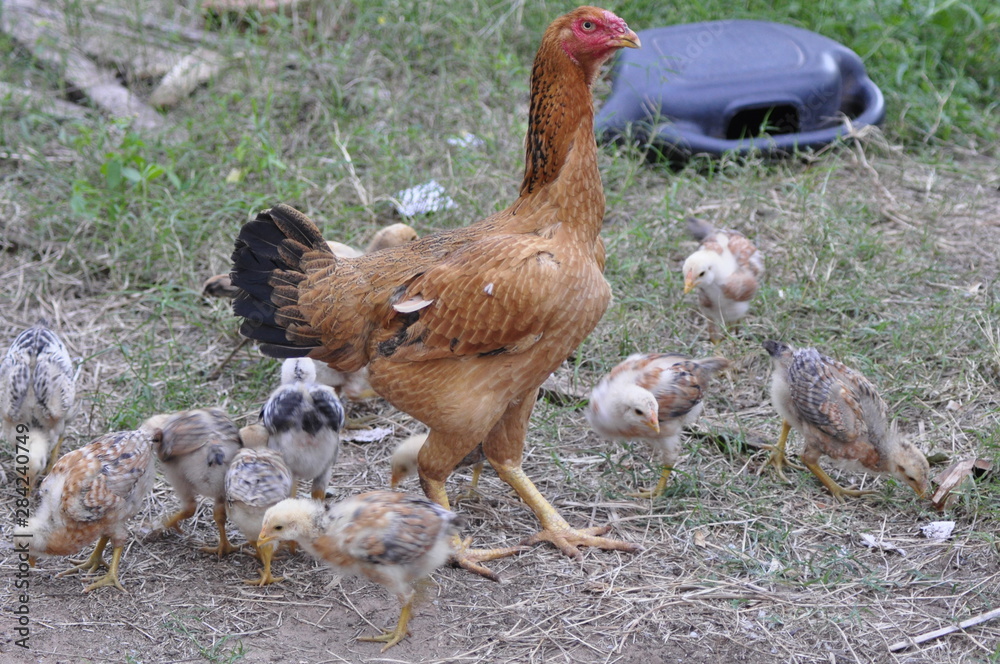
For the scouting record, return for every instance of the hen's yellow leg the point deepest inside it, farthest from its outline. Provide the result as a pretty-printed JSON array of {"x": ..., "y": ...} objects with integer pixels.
[
  {"x": 111, "y": 578},
  {"x": 777, "y": 456},
  {"x": 219, "y": 516},
  {"x": 91, "y": 564},
  {"x": 265, "y": 553},
  {"x": 838, "y": 491},
  {"x": 463, "y": 556},
  {"x": 658, "y": 490},
  {"x": 391, "y": 638},
  {"x": 555, "y": 529}
]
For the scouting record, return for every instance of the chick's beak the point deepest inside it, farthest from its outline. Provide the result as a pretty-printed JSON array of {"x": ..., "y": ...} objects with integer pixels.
[
  {"x": 264, "y": 539},
  {"x": 688, "y": 283},
  {"x": 921, "y": 487},
  {"x": 394, "y": 481},
  {"x": 653, "y": 424}
]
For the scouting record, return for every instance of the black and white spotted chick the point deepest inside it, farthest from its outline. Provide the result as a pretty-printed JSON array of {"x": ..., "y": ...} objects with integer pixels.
[{"x": 303, "y": 419}]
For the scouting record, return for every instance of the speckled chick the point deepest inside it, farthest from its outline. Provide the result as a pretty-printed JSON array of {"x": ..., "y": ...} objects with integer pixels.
[
  {"x": 256, "y": 480},
  {"x": 391, "y": 538},
  {"x": 91, "y": 494},
  {"x": 195, "y": 451},
  {"x": 303, "y": 420},
  {"x": 840, "y": 416},
  {"x": 652, "y": 397},
  {"x": 37, "y": 393},
  {"x": 726, "y": 270}
]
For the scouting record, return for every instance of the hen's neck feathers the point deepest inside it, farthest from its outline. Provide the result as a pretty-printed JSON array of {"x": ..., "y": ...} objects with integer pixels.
[{"x": 560, "y": 133}]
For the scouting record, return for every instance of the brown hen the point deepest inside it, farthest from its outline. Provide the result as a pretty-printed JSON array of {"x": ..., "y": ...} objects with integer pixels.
[
  {"x": 460, "y": 328},
  {"x": 840, "y": 416}
]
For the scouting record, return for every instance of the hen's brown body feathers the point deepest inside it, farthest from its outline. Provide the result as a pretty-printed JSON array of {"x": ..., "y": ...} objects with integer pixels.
[{"x": 460, "y": 328}]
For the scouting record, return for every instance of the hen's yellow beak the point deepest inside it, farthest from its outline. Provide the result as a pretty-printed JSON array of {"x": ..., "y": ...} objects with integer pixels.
[{"x": 627, "y": 40}]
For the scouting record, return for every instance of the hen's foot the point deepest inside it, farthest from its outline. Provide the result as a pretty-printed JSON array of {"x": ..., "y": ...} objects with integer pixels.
[
  {"x": 471, "y": 559},
  {"x": 568, "y": 540}
]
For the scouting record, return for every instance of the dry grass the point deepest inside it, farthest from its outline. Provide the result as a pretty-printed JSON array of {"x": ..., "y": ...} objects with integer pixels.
[{"x": 881, "y": 256}]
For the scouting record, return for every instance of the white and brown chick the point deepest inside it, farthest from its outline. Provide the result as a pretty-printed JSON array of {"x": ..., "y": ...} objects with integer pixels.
[
  {"x": 726, "y": 269},
  {"x": 404, "y": 464},
  {"x": 195, "y": 450},
  {"x": 91, "y": 494},
  {"x": 257, "y": 479},
  {"x": 303, "y": 420},
  {"x": 391, "y": 538},
  {"x": 37, "y": 392},
  {"x": 652, "y": 397},
  {"x": 841, "y": 416}
]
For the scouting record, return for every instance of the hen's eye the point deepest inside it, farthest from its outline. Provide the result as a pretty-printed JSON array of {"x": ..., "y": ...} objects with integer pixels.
[{"x": 587, "y": 25}]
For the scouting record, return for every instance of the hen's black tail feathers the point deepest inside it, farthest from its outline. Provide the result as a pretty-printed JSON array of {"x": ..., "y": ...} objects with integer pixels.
[{"x": 267, "y": 268}]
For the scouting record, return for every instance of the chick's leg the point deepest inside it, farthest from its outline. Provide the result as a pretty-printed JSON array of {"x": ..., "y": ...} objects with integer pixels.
[
  {"x": 391, "y": 638},
  {"x": 471, "y": 493},
  {"x": 265, "y": 553},
  {"x": 777, "y": 456},
  {"x": 811, "y": 460},
  {"x": 111, "y": 578},
  {"x": 186, "y": 511},
  {"x": 660, "y": 487},
  {"x": 219, "y": 516},
  {"x": 91, "y": 564},
  {"x": 53, "y": 455},
  {"x": 504, "y": 447}
]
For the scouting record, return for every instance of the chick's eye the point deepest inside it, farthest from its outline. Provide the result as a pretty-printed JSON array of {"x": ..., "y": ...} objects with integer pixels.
[
  {"x": 702, "y": 273},
  {"x": 638, "y": 411},
  {"x": 278, "y": 527},
  {"x": 587, "y": 25}
]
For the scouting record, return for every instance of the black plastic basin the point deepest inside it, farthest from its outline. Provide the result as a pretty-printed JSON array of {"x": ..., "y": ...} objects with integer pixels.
[{"x": 737, "y": 86}]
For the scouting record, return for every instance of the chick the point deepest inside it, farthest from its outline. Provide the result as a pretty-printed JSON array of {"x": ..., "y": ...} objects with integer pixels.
[
  {"x": 394, "y": 235},
  {"x": 303, "y": 421},
  {"x": 256, "y": 480},
  {"x": 840, "y": 416},
  {"x": 91, "y": 493},
  {"x": 391, "y": 538},
  {"x": 37, "y": 392},
  {"x": 726, "y": 269},
  {"x": 195, "y": 450},
  {"x": 404, "y": 463},
  {"x": 653, "y": 397}
]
